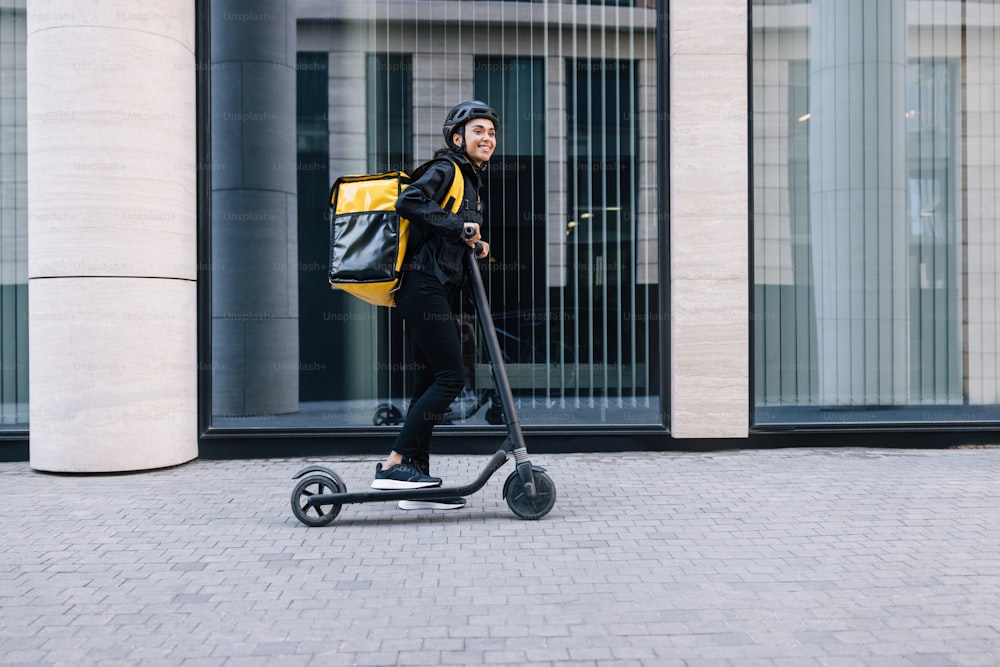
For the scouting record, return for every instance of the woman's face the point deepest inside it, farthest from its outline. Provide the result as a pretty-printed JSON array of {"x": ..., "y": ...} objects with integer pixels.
[{"x": 480, "y": 140}]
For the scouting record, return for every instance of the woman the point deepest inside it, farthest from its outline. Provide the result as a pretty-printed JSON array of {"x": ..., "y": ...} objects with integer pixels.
[{"x": 434, "y": 273}]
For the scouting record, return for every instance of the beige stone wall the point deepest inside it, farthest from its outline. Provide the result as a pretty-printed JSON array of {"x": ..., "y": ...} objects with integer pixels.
[{"x": 709, "y": 204}]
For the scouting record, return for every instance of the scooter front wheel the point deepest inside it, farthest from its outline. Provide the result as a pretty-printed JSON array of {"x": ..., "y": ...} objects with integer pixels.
[
  {"x": 316, "y": 485},
  {"x": 524, "y": 506}
]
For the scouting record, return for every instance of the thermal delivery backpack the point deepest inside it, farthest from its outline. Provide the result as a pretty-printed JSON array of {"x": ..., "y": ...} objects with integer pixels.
[{"x": 368, "y": 238}]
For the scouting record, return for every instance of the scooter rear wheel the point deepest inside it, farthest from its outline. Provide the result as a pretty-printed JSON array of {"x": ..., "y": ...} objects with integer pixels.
[
  {"x": 530, "y": 508},
  {"x": 314, "y": 485}
]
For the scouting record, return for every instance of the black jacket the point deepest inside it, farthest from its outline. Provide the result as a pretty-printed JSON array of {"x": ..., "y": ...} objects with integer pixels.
[{"x": 435, "y": 240}]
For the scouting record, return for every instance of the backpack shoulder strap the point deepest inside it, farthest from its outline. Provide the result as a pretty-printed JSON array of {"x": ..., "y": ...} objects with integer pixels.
[
  {"x": 451, "y": 199},
  {"x": 456, "y": 193}
]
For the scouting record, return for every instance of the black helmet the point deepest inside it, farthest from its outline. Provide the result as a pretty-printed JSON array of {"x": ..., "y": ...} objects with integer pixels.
[{"x": 466, "y": 111}]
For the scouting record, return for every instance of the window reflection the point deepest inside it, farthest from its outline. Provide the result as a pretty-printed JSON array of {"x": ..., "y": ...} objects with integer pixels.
[
  {"x": 572, "y": 206},
  {"x": 13, "y": 218},
  {"x": 875, "y": 265}
]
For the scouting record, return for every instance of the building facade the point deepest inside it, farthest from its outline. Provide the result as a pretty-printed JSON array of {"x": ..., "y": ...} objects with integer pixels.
[{"x": 710, "y": 220}]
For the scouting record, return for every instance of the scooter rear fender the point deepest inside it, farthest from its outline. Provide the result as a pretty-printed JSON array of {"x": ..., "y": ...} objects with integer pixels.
[{"x": 306, "y": 471}]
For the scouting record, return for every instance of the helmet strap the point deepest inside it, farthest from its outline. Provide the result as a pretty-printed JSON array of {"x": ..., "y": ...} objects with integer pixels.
[{"x": 460, "y": 147}]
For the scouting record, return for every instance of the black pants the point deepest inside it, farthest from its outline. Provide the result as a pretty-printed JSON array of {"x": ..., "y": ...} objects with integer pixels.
[{"x": 427, "y": 308}]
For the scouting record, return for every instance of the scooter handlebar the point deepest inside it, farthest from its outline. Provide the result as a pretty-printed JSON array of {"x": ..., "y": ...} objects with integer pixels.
[{"x": 469, "y": 232}]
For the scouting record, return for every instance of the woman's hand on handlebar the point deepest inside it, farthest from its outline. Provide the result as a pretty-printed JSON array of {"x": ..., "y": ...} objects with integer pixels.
[{"x": 470, "y": 233}]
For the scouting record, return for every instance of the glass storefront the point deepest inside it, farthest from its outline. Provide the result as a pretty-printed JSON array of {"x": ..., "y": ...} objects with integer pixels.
[
  {"x": 876, "y": 255},
  {"x": 571, "y": 193},
  {"x": 13, "y": 218},
  {"x": 874, "y": 182}
]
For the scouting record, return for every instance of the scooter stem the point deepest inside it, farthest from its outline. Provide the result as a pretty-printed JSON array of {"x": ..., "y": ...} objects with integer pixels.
[{"x": 499, "y": 371}]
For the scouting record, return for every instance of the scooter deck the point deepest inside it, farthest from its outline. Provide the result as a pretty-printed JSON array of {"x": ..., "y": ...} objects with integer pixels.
[{"x": 495, "y": 463}]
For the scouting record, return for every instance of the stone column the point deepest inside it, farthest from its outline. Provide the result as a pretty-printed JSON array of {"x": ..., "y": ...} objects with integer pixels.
[
  {"x": 709, "y": 201},
  {"x": 255, "y": 326},
  {"x": 112, "y": 228},
  {"x": 857, "y": 171}
]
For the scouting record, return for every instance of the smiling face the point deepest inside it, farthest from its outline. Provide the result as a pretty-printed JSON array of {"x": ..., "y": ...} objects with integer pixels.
[{"x": 480, "y": 140}]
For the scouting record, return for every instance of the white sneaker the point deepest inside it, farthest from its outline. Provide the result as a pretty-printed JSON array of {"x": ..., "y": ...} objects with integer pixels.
[{"x": 451, "y": 503}]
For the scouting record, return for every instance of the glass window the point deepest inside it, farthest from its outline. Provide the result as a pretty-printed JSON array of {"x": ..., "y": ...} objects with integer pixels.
[
  {"x": 570, "y": 194},
  {"x": 611, "y": 330},
  {"x": 389, "y": 110},
  {"x": 516, "y": 206},
  {"x": 319, "y": 342},
  {"x": 874, "y": 184},
  {"x": 13, "y": 219}
]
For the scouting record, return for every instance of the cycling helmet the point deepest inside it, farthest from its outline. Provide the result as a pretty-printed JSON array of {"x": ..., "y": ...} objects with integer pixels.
[{"x": 464, "y": 112}]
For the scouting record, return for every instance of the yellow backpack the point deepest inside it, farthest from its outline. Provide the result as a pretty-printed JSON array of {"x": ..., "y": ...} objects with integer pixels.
[{"x": 368, "y": 238}]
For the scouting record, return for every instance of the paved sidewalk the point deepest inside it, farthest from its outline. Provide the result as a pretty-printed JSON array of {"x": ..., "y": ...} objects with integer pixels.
[{"x": 794, "y": 557}]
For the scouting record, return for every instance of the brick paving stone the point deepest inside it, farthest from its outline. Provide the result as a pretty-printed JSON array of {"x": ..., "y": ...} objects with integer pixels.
[{"x": 769, "y": 558}]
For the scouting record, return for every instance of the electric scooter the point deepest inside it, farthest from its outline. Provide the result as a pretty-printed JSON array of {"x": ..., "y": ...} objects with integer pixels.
[{"x": 529, "y": 491}]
